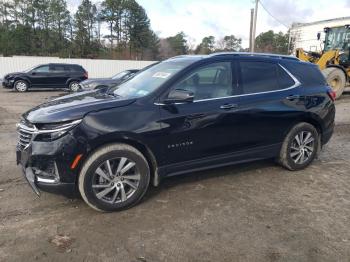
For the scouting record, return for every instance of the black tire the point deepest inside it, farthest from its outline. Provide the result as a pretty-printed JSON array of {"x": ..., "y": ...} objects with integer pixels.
[
  {"x": 336, "y": 79},
  {"x": 74, "y": 86},
  {"x": 21, "y": 86},
  {"x": 288, "y": 147},
  {"x": 88, "y": 174}
]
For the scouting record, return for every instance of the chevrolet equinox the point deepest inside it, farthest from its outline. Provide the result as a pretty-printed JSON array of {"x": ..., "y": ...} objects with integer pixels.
[{"x": 185, "y": 114}]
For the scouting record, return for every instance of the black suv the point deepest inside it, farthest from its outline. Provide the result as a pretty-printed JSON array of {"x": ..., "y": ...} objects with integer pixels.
[
  {"x": 182, "y": 115},
  {"x": 47, "y": 76}
]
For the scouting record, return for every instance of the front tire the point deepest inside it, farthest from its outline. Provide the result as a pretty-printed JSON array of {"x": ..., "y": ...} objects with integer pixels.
[
  {"x": 300, "y": 147},
  {"x": 113, "y": 178},
  {"x": 21, "y": 86},
  {"x": 74, "y": 86}
]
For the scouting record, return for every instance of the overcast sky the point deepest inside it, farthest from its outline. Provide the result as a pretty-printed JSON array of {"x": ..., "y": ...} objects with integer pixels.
[{"x": 200, "y": 18}]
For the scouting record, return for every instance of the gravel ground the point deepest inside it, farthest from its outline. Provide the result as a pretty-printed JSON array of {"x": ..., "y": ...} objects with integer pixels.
[{"x": 250, "y": 212}]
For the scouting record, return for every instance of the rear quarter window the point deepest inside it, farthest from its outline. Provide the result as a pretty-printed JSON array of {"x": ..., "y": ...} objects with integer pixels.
[
  {"x": 76, "y": 68},
  {"x": 308, "y": 74}
]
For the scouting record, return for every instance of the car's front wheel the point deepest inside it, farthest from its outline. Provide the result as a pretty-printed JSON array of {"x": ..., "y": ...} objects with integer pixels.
[
  {"x": 21, "y": 86},
  {"x": 300, "y": 147},
  {"x": 114, "y": 178}
]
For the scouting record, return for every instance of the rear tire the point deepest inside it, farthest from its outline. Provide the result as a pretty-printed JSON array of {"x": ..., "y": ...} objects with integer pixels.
[
  {"x": 336, "y": 79},
  {"x": 113, "y": 178},
  {"x": 74, "y": 86},
  {"x": 300, "y": 147},
  {"x": 21, "y": 86}
]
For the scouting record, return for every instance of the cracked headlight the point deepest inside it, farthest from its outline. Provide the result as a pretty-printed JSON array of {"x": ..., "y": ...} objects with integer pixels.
[{"x": 50, "y": 132}]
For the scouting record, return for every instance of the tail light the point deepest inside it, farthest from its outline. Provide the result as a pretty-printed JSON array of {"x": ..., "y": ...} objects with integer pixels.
[
  {"x": 86, "y": 74},
  {"x": 332, "y": 95}
]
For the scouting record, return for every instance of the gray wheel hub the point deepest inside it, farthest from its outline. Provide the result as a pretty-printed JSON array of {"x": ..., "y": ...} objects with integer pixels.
[
  {"x": 302, "y": 147},
  {"x": 74, "y": 86},
  {"x": 21, "y": 86},
  {"x": 116, "y": 180}
]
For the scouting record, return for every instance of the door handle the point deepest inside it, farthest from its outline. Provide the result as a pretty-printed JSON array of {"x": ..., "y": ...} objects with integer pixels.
[
  {"x": 293, "y": 97},
  {"x": 228, "y": 106}
]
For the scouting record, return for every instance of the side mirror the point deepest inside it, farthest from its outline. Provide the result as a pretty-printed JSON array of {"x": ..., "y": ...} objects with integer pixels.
[
  {"x": 33, "y": 73},
  {"x": 179, "y": 96},
  {"x": 318, "y": 36}
]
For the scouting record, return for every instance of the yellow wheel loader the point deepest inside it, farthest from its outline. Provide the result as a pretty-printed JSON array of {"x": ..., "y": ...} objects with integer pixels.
[{"x": 334, "y": 60}]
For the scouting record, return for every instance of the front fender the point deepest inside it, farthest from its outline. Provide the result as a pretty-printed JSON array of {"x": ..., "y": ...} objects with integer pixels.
[{"x": 23, "y": 78}]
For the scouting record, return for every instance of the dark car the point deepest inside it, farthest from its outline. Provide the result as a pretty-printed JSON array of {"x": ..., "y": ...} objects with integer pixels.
[
  {"x": 182, "y": 115},
  {"x": 94, "y": 83},
  {"x": 47, "y": 76}
]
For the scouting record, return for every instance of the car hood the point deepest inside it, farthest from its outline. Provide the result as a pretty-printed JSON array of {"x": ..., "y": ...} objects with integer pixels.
[
  {"x": 73, "y": 107},
  {"x": 13, "y": 74},
  {"x": 98, "y": 81}
]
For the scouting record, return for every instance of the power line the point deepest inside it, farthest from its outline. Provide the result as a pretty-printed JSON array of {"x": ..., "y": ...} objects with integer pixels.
[{"x": 267, "y": 11}]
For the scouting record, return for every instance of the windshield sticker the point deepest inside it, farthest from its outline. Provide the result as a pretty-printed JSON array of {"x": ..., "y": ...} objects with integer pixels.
[{"x": 161, "y": 75}]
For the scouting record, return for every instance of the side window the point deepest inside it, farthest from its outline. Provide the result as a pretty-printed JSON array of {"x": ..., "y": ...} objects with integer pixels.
[
  {"x": 57, "y": 69},
  {"x": 258, "y": 77},
  {"x": 284, "y": 80},
  {"x": 76, "y": 68},
  {"x": 210, "y": 81},
  {"x": 67, "y": 68},
  {"x": 41, "y": 69}
]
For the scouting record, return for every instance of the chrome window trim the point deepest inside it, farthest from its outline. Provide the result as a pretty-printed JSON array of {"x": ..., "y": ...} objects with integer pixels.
[{"x": 296, "y": 84}]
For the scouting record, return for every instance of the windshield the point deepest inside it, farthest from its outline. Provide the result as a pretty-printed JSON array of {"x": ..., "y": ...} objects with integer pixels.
[
  {"x": 337, "y": 38},
  {"x": 120, "y": 75},
  {"x": 30, "y": 69},
  {"x": 149, "y": 80}
]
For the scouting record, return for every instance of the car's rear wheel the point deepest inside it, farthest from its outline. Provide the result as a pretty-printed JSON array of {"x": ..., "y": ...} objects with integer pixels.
[
  {"x": 74, "y": 86},
  {"x": 114, "y": 178},
  {"x": 21, "y": 86},
  {"x": 300, "y": 147}
]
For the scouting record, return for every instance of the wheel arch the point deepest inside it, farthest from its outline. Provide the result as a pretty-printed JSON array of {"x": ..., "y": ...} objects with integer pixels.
[
  {"x": 71, "y": 80},
  {"x": 21, "y": 78},
  {"x": 310, "y": 120},
  {"x": 144, "y": 149}
]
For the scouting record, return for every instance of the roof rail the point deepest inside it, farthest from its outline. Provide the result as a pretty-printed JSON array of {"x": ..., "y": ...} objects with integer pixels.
[{"x": 255, "y": 54}]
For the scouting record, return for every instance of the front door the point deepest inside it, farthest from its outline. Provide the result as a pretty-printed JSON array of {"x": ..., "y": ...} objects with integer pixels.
[
  {"x": 207, "y": 127},
  {"x": 40, "y": 76}
]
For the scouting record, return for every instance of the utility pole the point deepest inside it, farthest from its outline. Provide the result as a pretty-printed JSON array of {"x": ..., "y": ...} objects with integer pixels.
[
  {"x": 254, "y": 24},
  {"x": 251, "y": 30}
]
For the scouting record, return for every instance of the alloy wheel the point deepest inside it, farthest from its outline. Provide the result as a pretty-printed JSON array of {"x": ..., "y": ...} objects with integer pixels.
[
  {"x": 21, "y": 86},
  {"x": 302, "y": 147},
  {"x": 74, "y": 86},
  {"x": 116, "y": 180}
]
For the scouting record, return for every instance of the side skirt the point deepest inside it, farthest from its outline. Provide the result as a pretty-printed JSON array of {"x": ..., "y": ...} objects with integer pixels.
[{"x": 219, "y": 161}]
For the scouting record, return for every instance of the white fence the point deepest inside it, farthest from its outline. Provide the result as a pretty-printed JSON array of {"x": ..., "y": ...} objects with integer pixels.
[{"x": 96, "y": 68}]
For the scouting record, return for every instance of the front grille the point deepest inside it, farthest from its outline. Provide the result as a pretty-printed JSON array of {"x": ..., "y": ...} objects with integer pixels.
[{"x": 25, "y": 134}]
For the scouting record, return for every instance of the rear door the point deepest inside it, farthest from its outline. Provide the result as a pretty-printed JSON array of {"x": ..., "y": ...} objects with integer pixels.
[
  {"x": 269, "y": 103},
  {"x": 58, "y": 75}
]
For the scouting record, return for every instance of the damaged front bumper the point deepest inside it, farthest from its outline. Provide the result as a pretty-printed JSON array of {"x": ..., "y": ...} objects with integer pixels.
[{"x": 46, "y": 166}]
